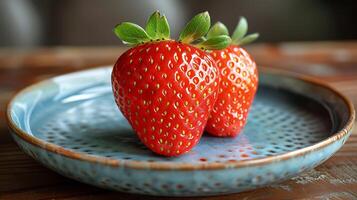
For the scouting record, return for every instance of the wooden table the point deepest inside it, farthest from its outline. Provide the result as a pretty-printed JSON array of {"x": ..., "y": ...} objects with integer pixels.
[{"x": 23, "y": 178}]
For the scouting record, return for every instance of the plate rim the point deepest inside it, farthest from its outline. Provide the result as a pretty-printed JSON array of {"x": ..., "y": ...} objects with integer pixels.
[{"x": 165, "y": 165}]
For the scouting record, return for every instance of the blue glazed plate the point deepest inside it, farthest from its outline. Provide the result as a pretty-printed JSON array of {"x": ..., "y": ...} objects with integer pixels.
[{"x": 71, "y": 124}]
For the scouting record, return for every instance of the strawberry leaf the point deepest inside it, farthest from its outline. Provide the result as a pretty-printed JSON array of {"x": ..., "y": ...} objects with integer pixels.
[
  {"x": 217, "y": 29},
  {"x": 131, "y": 33},
  {"x": 239, "y": 35},
  {"x": 240, "y": 30},
  {"x": 216, "y": 42},
  {"x": 157, "y": 26},
  {"x": 248, "y": 39},
  {"x": 196, "y": 28},
  {"x": 199, "y": 40}
]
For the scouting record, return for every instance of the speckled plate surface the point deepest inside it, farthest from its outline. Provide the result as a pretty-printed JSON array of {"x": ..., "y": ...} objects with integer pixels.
[{"x": 71, "y": 124}]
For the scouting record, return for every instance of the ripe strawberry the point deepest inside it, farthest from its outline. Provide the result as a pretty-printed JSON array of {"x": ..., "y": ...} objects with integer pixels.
[
  {"x": 166, "y": 89},
  {"x": 239, "y": 81}
]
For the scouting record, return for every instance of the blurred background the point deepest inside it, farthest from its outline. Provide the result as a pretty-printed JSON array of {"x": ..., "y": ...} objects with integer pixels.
[{"x": 33, "y": 23}]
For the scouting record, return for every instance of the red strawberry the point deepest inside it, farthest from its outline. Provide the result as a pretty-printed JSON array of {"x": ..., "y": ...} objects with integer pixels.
[
  {"x": 239, "y": 81},
  {"x": 166, "y": 89}
]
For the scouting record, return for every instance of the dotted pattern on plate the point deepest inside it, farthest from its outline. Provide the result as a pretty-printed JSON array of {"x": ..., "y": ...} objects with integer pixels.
[{"x": 96, "y": 127}]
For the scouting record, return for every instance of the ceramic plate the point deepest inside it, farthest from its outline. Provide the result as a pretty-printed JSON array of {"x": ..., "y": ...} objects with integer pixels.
[{"x": 71, "y": 124}]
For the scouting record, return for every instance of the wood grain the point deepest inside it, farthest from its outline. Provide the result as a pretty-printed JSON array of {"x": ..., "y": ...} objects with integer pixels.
[{"x": 23, "y": 178}]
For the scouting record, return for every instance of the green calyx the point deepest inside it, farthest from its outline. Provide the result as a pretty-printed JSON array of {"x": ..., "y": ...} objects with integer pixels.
[
  {"x": 239, "y": 36},
  {"x": 157, "y": 26},
  {"x": 196, "y": 28},
  {"x": 157, "y": 29},
  {"x": 216, "y": 42}
]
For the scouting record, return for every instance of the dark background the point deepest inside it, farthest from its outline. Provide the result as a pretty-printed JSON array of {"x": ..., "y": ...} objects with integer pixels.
[{"x": 31, "y": 23}]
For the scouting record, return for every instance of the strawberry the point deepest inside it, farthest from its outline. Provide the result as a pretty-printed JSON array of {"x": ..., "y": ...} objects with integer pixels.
[
  {"x": 165, "y": 88},
  {"x": 239, "y": 81}
]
